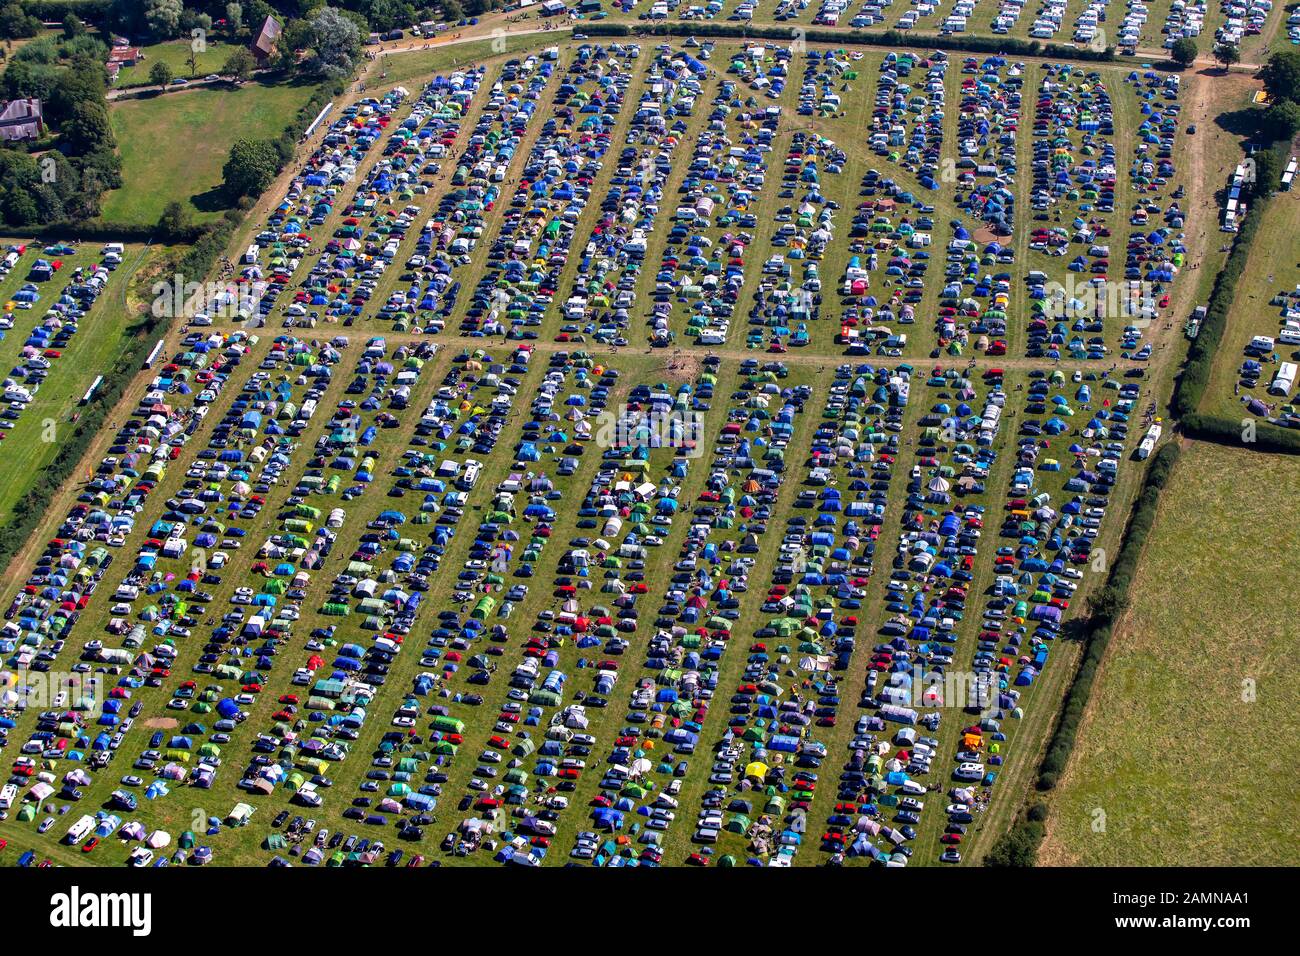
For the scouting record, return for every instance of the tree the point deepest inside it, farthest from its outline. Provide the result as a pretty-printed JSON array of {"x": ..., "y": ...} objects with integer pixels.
[
  {"x": 83, "y": 82},
  {"x": 73, "y": 27},
  {"x": 59, "y": 172},
  {"x": 251, "y": 168},
  {"x": 1017, "y": 847},
  {"x": 48, "y": 204},
  {"x": 175, "y": 221},
  {"x": 192, "y": 20},
  {"x": 452, "y": 11},
  {"x": 240, "y": 64},
  {"x": 18, "y": 170},
  {"x": 335, "y": 42},
  {"x": 20, "y": 175},
  {"x": 234, "y": 18},
  {"x": 256, "y": 12},
  {"x": 384, "y": 15},
  {"x": 163, "y": 17},
  {"x": 104, "y": 166},
  {"x": 1226, "y": 54},
  {"x": 15, "y": 24},
  {"x": 84, "y": 203},
  {"x": 1267, "y": 175},
  {"x": 87, "y": 130},
  {"x": 160, "y": 74},
  {"x": 1281, "y": 75},
  {"x": 22, "y": 79},
  {"x": 126, "y": 16},
  {"x": 1281, "y": 119},
  {"x": 296, "y": 35},
  {"x": 85, "y": 46},
  {"x": 18, "y": 208},
  {"x": 1184, "y": 52}
]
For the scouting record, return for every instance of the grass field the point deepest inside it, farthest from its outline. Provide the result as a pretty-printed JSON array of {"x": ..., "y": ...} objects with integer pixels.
[
  {"x": 176, "y": 55},
  {"x": 173, "y": 145},
  {"x": 394, "y": 69},
  {"x": 1203, "y": 668},
  {"x": 1273, "y": 269}
]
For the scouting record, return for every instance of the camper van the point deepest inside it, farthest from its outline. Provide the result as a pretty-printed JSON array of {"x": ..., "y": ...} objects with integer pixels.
[
  {"x": 1148, "y": 443},
  {"x": 469, "y": 477},
  {"x": 79, "y": 830},
  {"x": 8, "y": 794}
]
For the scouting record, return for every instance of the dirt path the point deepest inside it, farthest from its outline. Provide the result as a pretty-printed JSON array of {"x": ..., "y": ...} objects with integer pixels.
[
  {"x": 1212, "y": 93},
  {"x": 794, "y": 357},
  {"x": 487, "y": 29}
]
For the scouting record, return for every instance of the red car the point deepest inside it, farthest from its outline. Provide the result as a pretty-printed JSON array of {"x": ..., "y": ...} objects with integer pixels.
[{"x": 90, "y": 844}]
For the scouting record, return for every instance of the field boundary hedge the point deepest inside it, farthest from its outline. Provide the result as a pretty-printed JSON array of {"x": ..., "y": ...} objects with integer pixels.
[
  {"x": 1228, "y": 431},
  {"x": 102, "y": 230},
  {"x": 1019, "y": 845},
  {"x": 891, "y": 38}
]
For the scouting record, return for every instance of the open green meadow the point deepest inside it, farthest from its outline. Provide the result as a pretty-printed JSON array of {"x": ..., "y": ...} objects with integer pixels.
[
  {"x": 1205, "y": 655},
  {"x": 209, "y": 59},
  {"x": 174, "y": 145}
]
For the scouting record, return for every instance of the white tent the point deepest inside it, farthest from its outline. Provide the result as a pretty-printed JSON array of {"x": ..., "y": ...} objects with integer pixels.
[{"x": 39, "y": 792}]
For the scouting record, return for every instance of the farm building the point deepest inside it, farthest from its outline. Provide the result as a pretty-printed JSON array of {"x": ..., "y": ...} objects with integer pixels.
[
  {"x": 21, "y": 120},
  {"x": 264, "y": 44}
]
